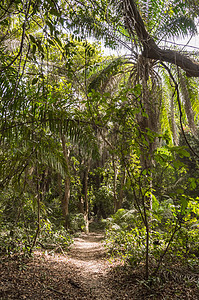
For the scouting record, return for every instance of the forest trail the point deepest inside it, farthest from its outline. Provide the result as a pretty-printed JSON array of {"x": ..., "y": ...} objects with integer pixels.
[
  {"x": 88, "y": 256},
  {"x": 83, "y": 273}
]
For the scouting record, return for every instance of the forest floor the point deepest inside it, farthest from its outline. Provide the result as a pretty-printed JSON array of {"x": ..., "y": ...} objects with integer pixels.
[{"x": 86, "y": 272}]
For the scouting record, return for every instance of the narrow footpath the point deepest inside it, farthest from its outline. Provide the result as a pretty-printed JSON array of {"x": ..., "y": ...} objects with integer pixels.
[
  {"x": 84, "y": 273},
  {"x": 88, "y": 257}
]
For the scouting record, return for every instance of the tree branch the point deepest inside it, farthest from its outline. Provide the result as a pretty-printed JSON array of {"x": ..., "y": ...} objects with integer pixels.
[
  {"x": 150, "y": 48},
  {"x": 189, "y": 66}
]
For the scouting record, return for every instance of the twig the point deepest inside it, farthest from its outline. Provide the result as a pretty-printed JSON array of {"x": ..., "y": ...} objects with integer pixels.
[
  {"x": 54, "y": 290},
  {"x": 177, "y": 227}
]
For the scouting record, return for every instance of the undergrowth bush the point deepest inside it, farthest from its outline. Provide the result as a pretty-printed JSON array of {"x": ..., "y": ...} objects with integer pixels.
[
  {"x": 77, "y": 222},
  {"x": 52, "y": 237},
  {"x": 126, "y": 236},
  {"x": 15, "y": 240},
  {"x": 19, "y": 240}
]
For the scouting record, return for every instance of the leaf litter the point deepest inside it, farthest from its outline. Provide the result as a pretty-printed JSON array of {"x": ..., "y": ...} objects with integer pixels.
[{"x": 85, "y": 272}]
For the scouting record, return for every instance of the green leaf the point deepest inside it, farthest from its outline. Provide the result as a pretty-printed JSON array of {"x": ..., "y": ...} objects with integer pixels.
[
  {"x": 34, "y": 49},
  {"x": 32, "y": 39},
  {"x": 184, "y": 203},
  {"x": 179, "y": 191},
  {"x": 55, "y": 12},
  {"x": 181, "y": 151},
  {"x": 58, "y": 41},
  {"x": 177, "y": 164},
  {"x": 192, "y": 182},
  {"x": 35, "y": 81}
]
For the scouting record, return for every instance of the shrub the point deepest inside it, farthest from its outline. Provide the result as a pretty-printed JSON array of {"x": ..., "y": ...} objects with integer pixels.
[{"x": 77, "y": 222}]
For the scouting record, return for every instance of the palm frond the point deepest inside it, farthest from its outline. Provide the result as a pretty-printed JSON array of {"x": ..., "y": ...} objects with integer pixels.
[
  {"x": 178, "y": 27},
  {"x": 103, "y": 78}
]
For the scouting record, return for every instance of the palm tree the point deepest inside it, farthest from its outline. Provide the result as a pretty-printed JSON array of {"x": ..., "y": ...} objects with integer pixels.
[
  {"x": 134, "y": 82},
  {"x": 142, "y": 69}
]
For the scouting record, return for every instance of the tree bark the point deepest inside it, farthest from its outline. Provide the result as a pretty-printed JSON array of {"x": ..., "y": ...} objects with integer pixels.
[
  {"x": 189, "y": 66},
  {"x": 114, "y": 183},
  {"x": 173, "y": 123}
]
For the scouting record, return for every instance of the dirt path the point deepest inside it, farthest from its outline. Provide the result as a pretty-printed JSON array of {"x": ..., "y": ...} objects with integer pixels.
[
  {"x": 84, "y": 273},
  {"x": 88, "y": 256}
]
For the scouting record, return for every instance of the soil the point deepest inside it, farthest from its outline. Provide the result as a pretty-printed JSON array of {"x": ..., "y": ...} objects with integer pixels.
[{"x": 86, "y": 272}]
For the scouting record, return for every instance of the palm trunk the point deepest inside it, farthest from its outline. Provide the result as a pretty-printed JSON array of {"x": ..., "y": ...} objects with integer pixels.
[{"x": 187, "y": 105}]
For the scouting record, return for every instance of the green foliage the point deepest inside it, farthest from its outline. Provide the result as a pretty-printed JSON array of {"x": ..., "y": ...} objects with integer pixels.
[
  {"x": 55, "y": 83},
  {"x": 77, "y": 222},
  {"x": 14, "y": 241},
  {"x": 126, "y": 236},
  {"x": 103, "y": 199},
  {"x": 52, "y": 237},
  {"x": 123, "y": 218},
  {"x": 18, "y": 240}
]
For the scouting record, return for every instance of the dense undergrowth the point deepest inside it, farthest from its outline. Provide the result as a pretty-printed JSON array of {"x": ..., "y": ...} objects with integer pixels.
[
  {"x": 171, "y": 241},
  {"x": 19, "y": 240}
]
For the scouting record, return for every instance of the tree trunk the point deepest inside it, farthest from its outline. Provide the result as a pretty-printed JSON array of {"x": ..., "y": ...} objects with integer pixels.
[
  {"x": 114, "y": 183},
  {"x": 173, "y": 123},
  {"x": 121, "y": 192},
  {"x": 81, "y": 204},
  {"x": 38, "y": 197},
  {"x": 65, "y": 199},
  {"x": 187, "y": 105},
  {"x": 149, "y": 125},
  {"x": 86, "y": 205}
]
